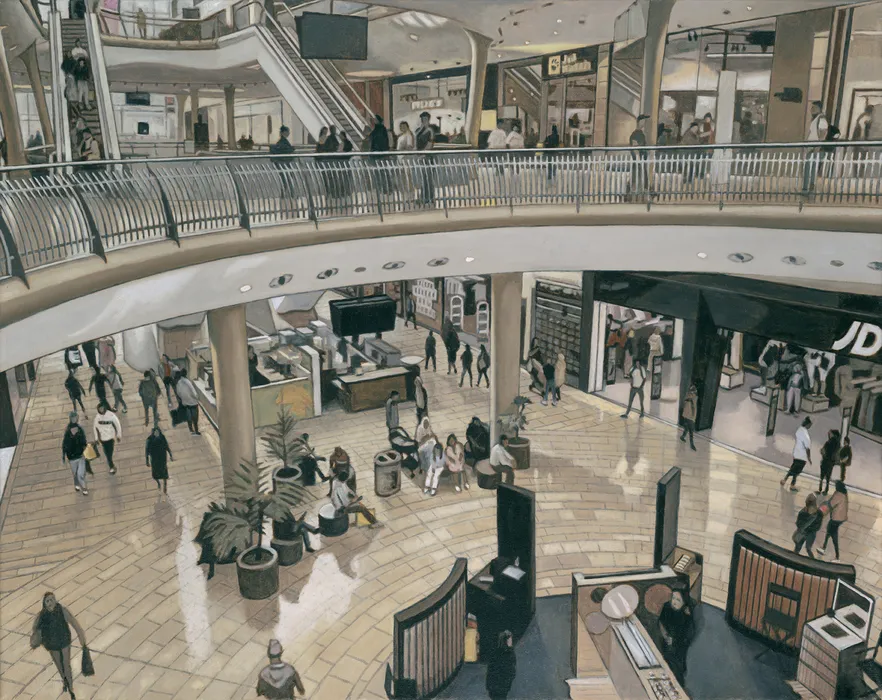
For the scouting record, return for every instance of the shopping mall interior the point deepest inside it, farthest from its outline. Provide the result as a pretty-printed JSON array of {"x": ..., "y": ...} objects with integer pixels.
[{"x": 453, "y": 349}]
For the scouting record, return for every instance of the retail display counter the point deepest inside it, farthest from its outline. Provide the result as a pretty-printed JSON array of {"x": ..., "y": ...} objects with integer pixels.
[{"x": 360, "y": 392}]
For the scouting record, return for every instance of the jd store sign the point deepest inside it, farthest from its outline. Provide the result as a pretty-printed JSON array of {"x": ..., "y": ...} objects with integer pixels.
[{"x": 861, "y": 340}]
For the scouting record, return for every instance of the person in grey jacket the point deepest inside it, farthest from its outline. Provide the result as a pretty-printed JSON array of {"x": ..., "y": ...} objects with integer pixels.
[
  {"x": 149, "y": 391},
  {"x": 116, "y": 384},
  {"x": 190, "y": 400}
]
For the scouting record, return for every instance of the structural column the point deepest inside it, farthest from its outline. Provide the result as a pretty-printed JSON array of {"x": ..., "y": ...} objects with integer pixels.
[
  {"x": 230, "y": 111},
  {"x": 9, "y": 112},
  {"x": 182, "y": 122},
  {"x": 505, "y": 331},
  {"x": 32, "y": 66},
  {"x": 658, "y": 15},
  {"x": 232, "y": 388},
  {"x": 480, "y": 47},
  {"x": 194, "y": 108}
]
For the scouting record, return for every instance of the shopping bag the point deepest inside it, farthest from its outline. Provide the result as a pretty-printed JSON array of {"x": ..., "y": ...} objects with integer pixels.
[
  {"x": 90, "y": 453},
  {"x": 362, "y": 521},
  {"x": 88, "y": 667},
  {"x": 179, "y": 415},
  {"x": 89, "y": 468}
]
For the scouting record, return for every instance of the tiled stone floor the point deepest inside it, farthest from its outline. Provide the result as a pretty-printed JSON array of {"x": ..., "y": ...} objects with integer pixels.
[{"x": 123, "y": 561}]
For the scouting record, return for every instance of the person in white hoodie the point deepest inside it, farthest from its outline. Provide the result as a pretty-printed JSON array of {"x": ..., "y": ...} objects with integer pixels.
[
  {"x": 190, "y": 400},
  {"x": 108, "y": 432}
]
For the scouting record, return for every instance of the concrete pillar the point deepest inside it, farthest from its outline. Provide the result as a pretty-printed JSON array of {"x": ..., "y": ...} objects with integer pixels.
[
  {"x": 182, "y": 123},
  {"x": 8, "y": 431},
  {"x": 230, "y": 112},
  {"x": 505, "y": 331},
  {"x": 480, "y": 47},
  {"x": 229, "y": 357},
  {"x": 29, "y": 57},
  {"x": 9, "y": 112},
  {"x": 658, "y": 14},
  {"x": 194, "y": 107}
]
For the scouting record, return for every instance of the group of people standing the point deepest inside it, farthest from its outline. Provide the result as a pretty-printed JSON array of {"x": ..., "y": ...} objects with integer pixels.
[
  {"x": 548, "y": 374},
  {"x": 452, "y": 344}
]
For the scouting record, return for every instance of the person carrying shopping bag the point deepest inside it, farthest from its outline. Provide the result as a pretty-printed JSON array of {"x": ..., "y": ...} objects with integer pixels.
[{"x": 51, "y": 630}]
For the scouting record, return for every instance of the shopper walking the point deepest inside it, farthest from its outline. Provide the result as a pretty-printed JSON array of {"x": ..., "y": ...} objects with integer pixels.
[
  {"x": 406, "y": 141},
  {"x": 73, "y": 445},
  {"x": 73, "y": 360},
  {"x": 829, "y": 457},
  {"x": 431, "y": 350},
  {"x": 502, "y": 461},
  {"x": 837, "y": 506},
  {"x": 690, "y": 412},
  {"x": 548, "y": 370},
  {"x": 75, "y": 391},
  {"x": 802, "y": 453},
  {"x": 279, "y": 680},
  {"x": 392, "y": 420},
  {"x": 455, "y": 454},
  {"x": 483, "y": 365},
  {"x": 437, "y": 462},
  {"x": 637, "y": 376},
  {"x": 157, "y": 455},
  {"x": 466, "y": 359},
  {"x": 189, "y": 400},
  {"x": 116, "y": 385},
  {"x": 410, "y": 311},
  {"x": 90, "y": 350},
  {"x": 817, "y": 131},
  {"x": 149, "y": 391},
  {"x": 99, "y": 383},
  {"x": 51, "y": 630},
  {"x": 108, "y": 432},
  {"x": 496, "y": 141},
  {"x": 168, "y": 370},
  {"x": 501, "y": 668},
  {"x": 451, "y": 343},
  {"x": 808, "y": 522},
  {"x": 844, "y": 458},
  {"x": 107, "y": 352}
]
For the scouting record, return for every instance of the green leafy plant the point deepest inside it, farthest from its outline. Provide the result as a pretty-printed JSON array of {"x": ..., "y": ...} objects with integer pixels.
[
  {"x": 512, "y": 422},
  {"x": 231, "y": 527},
  {"x": 282, "y": 442}
]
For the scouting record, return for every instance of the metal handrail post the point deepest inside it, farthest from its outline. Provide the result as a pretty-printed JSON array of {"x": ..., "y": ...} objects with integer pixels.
[
  {"x": 244, "y": 216},
  {"x": 16, "y": 265},
  {"x": 171, "y": 225}
]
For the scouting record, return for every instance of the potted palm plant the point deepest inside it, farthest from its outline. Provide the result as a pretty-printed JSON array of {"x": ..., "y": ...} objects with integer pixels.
[
  {"x": 232, "y": 527},
  {"x": 510, "y": 424},
  {"x": 287, "y": 447}
]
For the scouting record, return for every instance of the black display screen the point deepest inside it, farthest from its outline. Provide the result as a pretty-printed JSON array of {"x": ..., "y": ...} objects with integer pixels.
[
  {"x": 352, "y": 317},
  {"x": 332, "y": 36}
]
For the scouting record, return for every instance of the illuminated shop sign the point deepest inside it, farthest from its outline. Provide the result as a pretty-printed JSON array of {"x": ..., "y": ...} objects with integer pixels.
[
  {"x": 434, "y": 103},
  {"x": 576, "y": 62},
  {"x": 861, "y": 339}
]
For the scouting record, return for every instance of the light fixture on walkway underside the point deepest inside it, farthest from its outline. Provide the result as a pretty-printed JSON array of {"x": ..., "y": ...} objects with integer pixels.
[{"x": 245, "y": 288}]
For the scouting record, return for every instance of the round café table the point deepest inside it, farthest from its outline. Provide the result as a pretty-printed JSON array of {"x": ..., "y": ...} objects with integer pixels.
[{"x": 620, "y": 603}]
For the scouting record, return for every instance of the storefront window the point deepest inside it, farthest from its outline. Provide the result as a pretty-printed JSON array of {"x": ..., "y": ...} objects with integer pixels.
[
  {"x": 691, "y": 75},
  {"x": 581, "y": 100},
  {"x": 522, "y": 99},
  {"x": 863, "y": 75},
  {"x": 553, "y": 105},
  {"x": 445, "y": 99}
]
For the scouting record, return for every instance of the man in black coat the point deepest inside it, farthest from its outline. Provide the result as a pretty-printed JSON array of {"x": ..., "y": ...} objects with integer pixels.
[{"x": 431, "y": 352}]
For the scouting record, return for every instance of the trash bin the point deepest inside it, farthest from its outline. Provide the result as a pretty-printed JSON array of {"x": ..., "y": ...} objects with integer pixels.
[
  {"x": 387, "y": 473},
  {"x": 332, "y": 524}
]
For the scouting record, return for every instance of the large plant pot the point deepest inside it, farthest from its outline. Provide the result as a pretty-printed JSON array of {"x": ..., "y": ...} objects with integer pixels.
[
  {"x": 332, "y": 524},
  {"x": 290, "y": 551},
  {"x": 287, "y": 475},
  {"x": 258, "y": 573},
  {"x": 519, "y": 448}
]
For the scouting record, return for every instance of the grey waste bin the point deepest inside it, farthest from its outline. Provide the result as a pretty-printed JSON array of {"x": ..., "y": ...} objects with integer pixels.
[{"x": 387, "y": 473}]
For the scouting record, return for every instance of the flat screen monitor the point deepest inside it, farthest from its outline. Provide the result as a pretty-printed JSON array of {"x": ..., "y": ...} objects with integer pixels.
[
  {"x": 854, "y": 607},
  {"x": 338, "y": 37},
  {"x": 667, "y": 510},
  {"x": 350, "y": 317}
]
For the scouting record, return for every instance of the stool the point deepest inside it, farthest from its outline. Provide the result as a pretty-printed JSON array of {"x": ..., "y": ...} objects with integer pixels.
[
  {"x": 487, "y": 476},
  {"x": 331, "y": 524}
]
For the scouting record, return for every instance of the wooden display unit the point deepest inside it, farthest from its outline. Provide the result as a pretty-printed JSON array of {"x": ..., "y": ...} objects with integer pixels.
[{"x": 361, "y": 392}]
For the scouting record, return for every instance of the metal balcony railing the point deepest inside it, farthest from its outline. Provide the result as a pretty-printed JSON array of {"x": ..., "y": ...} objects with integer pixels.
[{"x": 53, "y": 213}]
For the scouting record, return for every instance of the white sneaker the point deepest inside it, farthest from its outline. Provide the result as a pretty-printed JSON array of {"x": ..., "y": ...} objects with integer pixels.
[
  {"x": 426, "y": 490},
  {"x": 544, "y": 402},
  {"x": 85, "y": 492},
  {"x": 820, "y": 551},
  {"x": 434, "y": 492},
  {"x": 467, "y": 486},
  {"x": 76, "y": 488},
  {"x": 458, "y": 489}
]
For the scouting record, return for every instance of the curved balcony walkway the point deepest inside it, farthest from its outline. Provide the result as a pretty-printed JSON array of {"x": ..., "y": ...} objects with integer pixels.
[
  {"x": 125, "y": 564},
  {"x": 53, "y": 214}
]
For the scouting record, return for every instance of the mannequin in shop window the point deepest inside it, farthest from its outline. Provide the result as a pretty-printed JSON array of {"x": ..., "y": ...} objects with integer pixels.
[
  {"x": 769, "y": 361},
  {"x": 843, "y": 387},
  {"x": 795, "y": 385},
  {"x": 818, "y": 365}
]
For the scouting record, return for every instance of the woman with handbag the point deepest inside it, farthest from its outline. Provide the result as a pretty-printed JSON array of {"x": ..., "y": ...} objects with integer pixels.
[
  {"x": 52, "y": 631},
  {"x": 808, "y": 522}
]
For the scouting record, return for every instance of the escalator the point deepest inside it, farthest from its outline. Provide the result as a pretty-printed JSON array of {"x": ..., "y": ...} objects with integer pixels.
[
  {"x": 71, "y": 31},
  {"x": 314, "y": 83}
]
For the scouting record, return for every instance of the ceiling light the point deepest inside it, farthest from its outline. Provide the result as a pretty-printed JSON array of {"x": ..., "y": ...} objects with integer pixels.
[
  {"x": 875, "y": 265},
  {"x": 793, "y": 260},
  {"x": 526, "y": 43},
  {"x": 470, "y": 259},
  {"x": 393, "y": 265},
  {"x": 837, "y": 263},
  {"x": 438, "y": 262},
  {"x": 740, "y": 257},
  {"x": 245, "y": 288},
  {"x": 499, "y": 55},
  {"x": 360, "y": 269},
  {"x": 559, "y": 21},
  {"x": 414, "y": 37},
  {"x": 749, "y": 8},
  {"x": 702, "y": 255},
  {"x": 556, "y": 33}
]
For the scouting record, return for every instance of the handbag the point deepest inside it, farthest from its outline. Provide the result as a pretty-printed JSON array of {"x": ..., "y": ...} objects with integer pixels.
[
  {"x": 798, "y": 536},
  {"x": 36, "y": 638},
  {"x": 88, "y": 668},
  {"x": 90, "y": 453}
]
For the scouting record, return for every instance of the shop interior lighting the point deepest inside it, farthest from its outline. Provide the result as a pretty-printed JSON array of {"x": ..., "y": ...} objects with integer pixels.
[
  {"x": 702, "y": 255},
  {"x": 470, "y": 259},
  {"x": 245, "y": 288}
]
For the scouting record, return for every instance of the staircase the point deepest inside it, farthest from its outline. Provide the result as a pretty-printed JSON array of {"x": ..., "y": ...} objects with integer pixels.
[
  {"x": 71, "y": 30},
  {"x": 345, "y": 122}
]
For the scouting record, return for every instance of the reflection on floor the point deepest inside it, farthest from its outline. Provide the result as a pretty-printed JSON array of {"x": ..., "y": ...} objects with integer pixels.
[
  {"x": 740, "y": 421},
  {"x": 543, "y": 659},
  {"x": 124, "y": 562}
]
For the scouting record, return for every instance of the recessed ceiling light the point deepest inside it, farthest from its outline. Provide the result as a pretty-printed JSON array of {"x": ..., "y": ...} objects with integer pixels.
[
  {"x": 280, "y": 281},
  {"x": 702, "y": 255},
  {"x": 740, "y": 257},
  {"x": 559, "y": 21},
  {"x": 875, "y": 265},
  {"x": 414, "y": 37},
  {"x": 327, "y": 273},
  {"x": 793, "y": 260},
  {"x": 837, "y": 263},
  {"x": 526, "y": 43},
  {"x": 470, "y": 259},
  {"x": 556, "y": 33},
  {"x": 438, "y": 262},
  {"x": 245, "y": 288},
  {"x": 749, "y": 8},
  {"x": 360, "y": 269},
  {"x": 499, "y": 55},
  {"x": 393, "y": 265}
]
